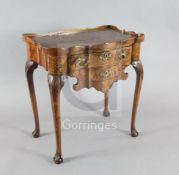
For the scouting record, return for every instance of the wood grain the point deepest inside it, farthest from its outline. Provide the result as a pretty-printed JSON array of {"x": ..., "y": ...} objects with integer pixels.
[
  {"x": 29, "y": 69},
  {"x": 55, "y": 84},
  {"x": 139, "y": 78}
]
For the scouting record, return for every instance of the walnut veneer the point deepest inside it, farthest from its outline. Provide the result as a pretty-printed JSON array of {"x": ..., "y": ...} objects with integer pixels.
[{"x": 95, "y": 57}]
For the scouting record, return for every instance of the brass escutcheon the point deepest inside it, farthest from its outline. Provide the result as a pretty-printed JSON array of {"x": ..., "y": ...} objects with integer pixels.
[
  {"x": 105, "y": 56},
  {"x": 122, "y": 54},
  {"x": 105, "y": 74}
]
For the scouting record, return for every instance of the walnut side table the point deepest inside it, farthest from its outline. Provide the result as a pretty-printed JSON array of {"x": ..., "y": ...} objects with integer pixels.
[{"x": 95, "y": 57}]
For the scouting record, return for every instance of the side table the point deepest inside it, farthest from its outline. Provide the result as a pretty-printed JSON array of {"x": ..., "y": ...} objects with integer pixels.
[{"x": 95, "y": 57}]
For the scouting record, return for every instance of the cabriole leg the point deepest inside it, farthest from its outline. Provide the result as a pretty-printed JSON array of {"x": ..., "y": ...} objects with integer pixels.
[
  {"x": 29, "y": 69},
  {"x": 55, "y": 86},
  {"x": 137, "y": 65}
]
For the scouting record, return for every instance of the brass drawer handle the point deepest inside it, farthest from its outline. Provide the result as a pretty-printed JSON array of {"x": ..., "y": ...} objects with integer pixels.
[
  {"x": 105, "y": 56},
  {"x": 105, "y": 74},
  {"x": 122, "y": 54},
  {"x": 81, "y": 61}
]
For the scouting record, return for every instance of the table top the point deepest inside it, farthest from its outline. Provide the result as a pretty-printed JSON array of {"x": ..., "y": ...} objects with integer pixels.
[{"x": 83, "y": 37}]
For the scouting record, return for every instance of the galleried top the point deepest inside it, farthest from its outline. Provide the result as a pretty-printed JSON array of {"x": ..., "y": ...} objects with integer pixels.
[{"x": 83, "y": 37}]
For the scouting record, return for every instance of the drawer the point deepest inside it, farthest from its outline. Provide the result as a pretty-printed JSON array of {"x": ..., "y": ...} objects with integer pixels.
[
  {"x": 123, "y": 55},
  {"x": 101, "y": 74},
  {"x": 99, "y": 59}
]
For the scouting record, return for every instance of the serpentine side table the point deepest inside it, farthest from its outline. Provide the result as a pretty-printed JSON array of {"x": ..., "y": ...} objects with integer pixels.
[{"x": 95, "y": 57}]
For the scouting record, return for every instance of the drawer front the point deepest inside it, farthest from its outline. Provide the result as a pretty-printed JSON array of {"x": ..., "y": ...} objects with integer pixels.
[
  {"x": 101, "y": 58},
  {"x": 123, "y": 56},
  {"x": 103, "y": 74},
  {"x": 100, "y": 66}
]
